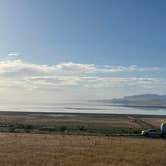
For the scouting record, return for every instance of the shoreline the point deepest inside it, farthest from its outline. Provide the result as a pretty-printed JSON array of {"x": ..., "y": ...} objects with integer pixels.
[{"x": 73, "y": 113}]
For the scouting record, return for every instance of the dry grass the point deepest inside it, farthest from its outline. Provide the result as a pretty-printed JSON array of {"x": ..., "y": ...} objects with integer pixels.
[
  {"x": 74, "y": 121},
  {"x": 156, "y": 122},
  {"x": 65, "y": 150},
  {"x": 114, "y": 121}
]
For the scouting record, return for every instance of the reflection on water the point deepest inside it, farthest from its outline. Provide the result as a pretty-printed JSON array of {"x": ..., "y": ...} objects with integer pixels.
[{"x": 84, "y": 107}]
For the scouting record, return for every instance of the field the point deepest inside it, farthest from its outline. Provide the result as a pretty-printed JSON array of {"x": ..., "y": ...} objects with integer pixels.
[
  {"x": 84, "y": 124},
  {"x": 57, "y": 139},
  {"x": 21, "y": 149}
]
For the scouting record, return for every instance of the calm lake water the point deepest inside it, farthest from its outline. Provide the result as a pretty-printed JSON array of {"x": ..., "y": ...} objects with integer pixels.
[{"x": 84, "y": 107}]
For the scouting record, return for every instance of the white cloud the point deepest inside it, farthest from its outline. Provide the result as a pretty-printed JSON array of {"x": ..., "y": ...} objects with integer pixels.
[
  {"x": 13, "y": 54},
  {"x": 73, "y": 78},
  {"x": 132, "y": 68},
  {"x": 75, "y": 67},
  {"x": 20, "y": 68}
]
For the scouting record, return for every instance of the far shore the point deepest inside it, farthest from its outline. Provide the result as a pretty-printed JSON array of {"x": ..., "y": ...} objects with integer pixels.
[{"x": 74, "y": 114}]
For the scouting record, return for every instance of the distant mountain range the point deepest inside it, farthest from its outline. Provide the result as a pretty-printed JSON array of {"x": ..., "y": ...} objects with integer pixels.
[{"x": 145, "y": 100}]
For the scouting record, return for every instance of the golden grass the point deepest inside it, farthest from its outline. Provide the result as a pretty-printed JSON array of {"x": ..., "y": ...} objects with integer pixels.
[{"x": 65, "y": 150}]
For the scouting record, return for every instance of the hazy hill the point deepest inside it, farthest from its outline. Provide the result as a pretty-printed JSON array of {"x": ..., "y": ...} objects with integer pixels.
[{"x": 152, "y": 100}]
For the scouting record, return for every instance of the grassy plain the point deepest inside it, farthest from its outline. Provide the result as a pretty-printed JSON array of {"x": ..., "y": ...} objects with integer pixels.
[
  {"x": 93, "y": 124},
  {"x": 26, "y": 149},
  {"x": 57, "y": 139}
]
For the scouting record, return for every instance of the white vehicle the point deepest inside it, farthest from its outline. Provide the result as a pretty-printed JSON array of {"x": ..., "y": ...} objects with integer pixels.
[
  {"x": 154, "y": 133},
  {"x": 163, "y": 129}
]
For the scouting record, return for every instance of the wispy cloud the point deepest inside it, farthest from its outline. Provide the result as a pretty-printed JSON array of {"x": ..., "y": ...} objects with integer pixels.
[
  {"x": 13, "y": 54},
  {"x": 20, "y": 68}
]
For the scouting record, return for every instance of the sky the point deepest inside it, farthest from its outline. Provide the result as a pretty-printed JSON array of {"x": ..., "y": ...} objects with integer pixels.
[{"x": 81, "y": 49}]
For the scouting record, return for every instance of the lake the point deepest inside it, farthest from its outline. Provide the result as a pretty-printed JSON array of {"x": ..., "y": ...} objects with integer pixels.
[{"x": 81, "y": 107}]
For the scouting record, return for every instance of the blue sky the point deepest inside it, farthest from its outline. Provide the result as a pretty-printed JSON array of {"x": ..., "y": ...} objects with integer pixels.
[
  {"x": 84, "y": 48},
  {"x": 112, "y": 32}
]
